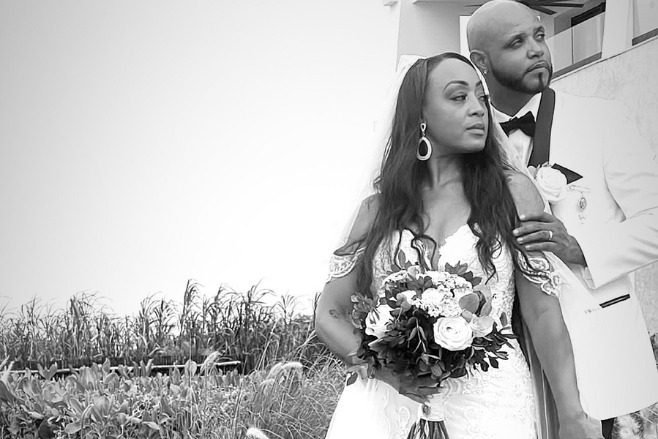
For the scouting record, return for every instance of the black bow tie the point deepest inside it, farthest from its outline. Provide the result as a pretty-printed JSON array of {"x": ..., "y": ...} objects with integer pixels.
[{"x": 525, "y": 123}]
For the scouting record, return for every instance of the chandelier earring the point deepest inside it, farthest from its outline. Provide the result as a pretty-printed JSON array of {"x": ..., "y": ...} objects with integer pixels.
[{"x": 424, "y": 151}]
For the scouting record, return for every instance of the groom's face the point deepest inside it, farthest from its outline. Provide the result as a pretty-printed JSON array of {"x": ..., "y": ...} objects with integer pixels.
[{"x": 519, "y": 58}]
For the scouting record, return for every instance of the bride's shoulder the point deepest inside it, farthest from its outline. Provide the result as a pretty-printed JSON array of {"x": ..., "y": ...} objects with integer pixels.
[
  {"x": 524, "y": 192},
  {"x": 365, "y": 218}
]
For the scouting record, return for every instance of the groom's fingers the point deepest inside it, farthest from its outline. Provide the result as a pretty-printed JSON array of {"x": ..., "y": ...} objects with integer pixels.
[
  {"x": 538, "y": 236},
  {"x": 543, "y": 217},
  {"x": 533, "y": 232}
]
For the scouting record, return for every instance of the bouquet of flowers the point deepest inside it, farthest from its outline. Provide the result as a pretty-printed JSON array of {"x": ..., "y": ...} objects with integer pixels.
[{"x": 430, "y": 323}]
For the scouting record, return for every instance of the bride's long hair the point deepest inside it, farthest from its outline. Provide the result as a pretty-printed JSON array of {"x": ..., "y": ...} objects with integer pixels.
[{"x": 399, "y": 204}]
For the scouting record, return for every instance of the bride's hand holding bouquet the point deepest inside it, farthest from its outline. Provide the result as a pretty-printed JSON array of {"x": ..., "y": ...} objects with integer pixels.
[{"x": 426, "y": 327}]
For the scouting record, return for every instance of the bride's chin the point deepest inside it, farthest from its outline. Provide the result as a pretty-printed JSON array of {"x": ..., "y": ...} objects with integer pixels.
[{"x": 472, "y": 148}]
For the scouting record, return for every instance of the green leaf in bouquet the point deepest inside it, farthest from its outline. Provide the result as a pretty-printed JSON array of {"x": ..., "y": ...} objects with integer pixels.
[
  {"x": 474, "y": 280},
  {"x": 470, "y": 302},
  {"x": 458, "y": 268},
  {"x": 486, "y": 309},
  {"x": 421, "y": 331},
  {"x": 494, "y": 362},
  {"x": 503, "y": 319},
  {"x": 405, "y": 306},
  {"x": 420, "y": 346},
  {"x": 426, "y": 282},
  {"x": 467, "y": 315},
  {"x": 401, "y": 261},
  {"x": 437, "y": 370},
  {"x": 502, "y": 355},
  {"x": 458, "y": 373}
]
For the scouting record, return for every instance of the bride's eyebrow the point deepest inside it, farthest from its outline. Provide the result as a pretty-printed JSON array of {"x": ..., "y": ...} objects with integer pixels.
[{"x": 460, "y": 82}]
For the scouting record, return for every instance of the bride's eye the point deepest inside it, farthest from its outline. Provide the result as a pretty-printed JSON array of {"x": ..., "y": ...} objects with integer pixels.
[{"x": 459, "y": 98}]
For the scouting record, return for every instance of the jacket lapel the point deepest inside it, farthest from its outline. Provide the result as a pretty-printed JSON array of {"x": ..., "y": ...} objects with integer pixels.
[{"x": 541, "y": 143}]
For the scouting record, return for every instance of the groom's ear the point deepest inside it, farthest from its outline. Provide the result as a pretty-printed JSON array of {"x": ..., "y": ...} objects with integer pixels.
[{"x": 479, "y": 59}]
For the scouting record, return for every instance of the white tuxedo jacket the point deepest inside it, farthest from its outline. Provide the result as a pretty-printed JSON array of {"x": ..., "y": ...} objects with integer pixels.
[{"x": 618, "y": 233}]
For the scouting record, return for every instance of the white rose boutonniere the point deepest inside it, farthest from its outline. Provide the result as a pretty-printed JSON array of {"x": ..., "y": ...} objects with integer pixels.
[{"x": 552, "y": 183}]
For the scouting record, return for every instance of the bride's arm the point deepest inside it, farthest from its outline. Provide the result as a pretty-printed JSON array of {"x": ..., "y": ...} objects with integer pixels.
[
  {"x": 333, "y": 321},
  {"x": 542, "y": 314}
]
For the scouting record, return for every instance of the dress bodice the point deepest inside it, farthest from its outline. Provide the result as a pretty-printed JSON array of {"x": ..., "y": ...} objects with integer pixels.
[
  {"x": 460, "y": 247},
  {"x": 497, "y": 404}
]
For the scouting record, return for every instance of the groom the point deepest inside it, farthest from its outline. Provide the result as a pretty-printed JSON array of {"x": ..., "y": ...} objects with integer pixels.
[{"x": 606, "y": 219}]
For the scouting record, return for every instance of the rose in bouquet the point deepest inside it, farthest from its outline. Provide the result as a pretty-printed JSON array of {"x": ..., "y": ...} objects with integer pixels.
[{"x": 430, "y": 323}]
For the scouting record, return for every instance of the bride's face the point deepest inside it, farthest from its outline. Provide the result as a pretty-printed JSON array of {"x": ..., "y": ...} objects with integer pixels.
[{"x": 454, "y": 109}]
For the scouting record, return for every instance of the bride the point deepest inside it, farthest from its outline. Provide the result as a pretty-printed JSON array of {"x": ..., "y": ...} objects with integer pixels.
[{"x": 446, "y": 194}]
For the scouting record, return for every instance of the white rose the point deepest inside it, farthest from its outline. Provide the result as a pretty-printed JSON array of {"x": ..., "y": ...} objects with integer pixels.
[
  {"x": 378, "y": 321},
  {"x": 482, "y": 326},
  {"x": 552, "y": 183},
  {"x": 453, "y": 333}
]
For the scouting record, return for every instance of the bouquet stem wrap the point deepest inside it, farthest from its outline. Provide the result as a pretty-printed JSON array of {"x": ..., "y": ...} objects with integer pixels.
[{"x": 431, "y": 423}]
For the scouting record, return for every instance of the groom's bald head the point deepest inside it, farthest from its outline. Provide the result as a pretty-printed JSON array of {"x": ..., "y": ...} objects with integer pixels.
[
  {"x": 507, "y": 44},
  {"x": 490, "y": 22}
]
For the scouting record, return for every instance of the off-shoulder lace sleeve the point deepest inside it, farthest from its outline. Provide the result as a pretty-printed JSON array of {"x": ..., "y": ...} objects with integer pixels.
[
  {"x": 540, "y": 271},
  {"x": 341, "y": 265}
]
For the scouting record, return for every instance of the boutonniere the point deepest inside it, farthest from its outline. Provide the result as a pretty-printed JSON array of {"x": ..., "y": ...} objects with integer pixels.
[
  {"x": 551, "y": 182},
  {"x": 554, "y": 181}
]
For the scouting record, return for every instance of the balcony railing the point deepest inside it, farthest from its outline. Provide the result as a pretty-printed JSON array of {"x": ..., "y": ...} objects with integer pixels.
[
  {"x": 645, "y": 20},
  {"x": 577, "y": 46}
]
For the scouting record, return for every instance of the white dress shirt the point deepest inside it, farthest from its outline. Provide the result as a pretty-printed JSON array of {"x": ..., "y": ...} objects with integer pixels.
[{"x": 519, "y": 140}]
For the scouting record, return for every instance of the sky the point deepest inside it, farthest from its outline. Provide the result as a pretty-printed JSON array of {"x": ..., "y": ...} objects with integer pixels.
[{"x": 145, "y": 143}]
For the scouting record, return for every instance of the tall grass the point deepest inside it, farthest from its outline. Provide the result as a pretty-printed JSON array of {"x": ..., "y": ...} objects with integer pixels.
[
  {"x": 287, "y": 400},
  {"x": 255, "y": 327},
  {"x": 286, "y": 386}
]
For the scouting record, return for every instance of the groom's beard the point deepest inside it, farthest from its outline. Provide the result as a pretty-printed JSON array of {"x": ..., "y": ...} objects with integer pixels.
[{"x": 515, "y": 81}]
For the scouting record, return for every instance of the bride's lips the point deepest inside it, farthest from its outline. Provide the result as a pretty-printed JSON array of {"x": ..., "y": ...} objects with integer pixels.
[{"x": 476, "y": 127}]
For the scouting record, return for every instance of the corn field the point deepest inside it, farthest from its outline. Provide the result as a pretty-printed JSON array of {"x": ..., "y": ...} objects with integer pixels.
[
  {"x": 243, "y": 327},
  {"x": 82, "y": 372}
]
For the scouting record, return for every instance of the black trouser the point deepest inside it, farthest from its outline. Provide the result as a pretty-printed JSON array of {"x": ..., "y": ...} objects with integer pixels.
[{"x": 607, "y": 425}]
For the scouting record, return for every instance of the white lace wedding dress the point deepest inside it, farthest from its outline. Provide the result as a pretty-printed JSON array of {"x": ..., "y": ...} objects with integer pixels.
[{"x": 497, "y": 404}]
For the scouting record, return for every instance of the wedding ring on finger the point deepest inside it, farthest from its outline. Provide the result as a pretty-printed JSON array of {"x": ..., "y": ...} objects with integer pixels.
[{"x": 550, "y": 235}]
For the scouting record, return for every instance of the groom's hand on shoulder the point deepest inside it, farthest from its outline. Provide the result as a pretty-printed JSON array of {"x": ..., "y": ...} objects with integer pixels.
[{"x": 544, "y": 232}]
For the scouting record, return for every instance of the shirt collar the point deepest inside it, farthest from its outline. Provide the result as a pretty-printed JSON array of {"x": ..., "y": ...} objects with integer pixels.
[{"x": 532, "y": 106}]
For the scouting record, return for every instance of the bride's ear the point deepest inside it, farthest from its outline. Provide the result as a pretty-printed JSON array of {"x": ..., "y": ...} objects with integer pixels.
[{"x": 480, "y": 60}]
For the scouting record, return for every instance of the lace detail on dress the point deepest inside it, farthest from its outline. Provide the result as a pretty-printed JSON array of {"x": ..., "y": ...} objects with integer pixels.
[
  {"x": 497, "y": 404},
  {"x": 342, "y": 265},
  {"x": 540, "y": 272}
]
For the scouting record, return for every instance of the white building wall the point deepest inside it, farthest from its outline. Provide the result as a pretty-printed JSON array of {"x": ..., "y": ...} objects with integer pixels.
[{"x": 428, "y": 28}]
